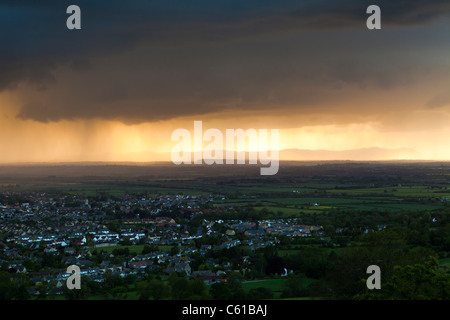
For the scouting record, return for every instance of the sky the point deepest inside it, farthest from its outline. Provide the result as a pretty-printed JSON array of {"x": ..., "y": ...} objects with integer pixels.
[{"x": 137, "y": 70}]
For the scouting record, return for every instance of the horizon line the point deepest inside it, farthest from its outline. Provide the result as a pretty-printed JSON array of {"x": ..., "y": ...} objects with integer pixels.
[{"x": 131, "y": 162}]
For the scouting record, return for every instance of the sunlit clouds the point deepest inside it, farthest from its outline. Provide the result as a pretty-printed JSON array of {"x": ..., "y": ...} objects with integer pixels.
[{"x": 117, "y": 89}]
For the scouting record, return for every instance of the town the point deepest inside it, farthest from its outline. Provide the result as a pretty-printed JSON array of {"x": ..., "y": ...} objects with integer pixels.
[
  {"x": 144, "y": 233},
  {"x": 74, "y": 231}
]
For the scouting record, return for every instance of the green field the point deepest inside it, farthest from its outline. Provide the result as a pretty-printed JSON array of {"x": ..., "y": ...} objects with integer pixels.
[
  {"x": 276, "y": 285},
  {"x": 410, "y": 191},
  {"x": 444, "y": 263}
]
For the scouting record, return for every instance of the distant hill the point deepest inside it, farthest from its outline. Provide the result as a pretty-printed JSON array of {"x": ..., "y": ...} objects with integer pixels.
[{"x": 364, "y": 154}]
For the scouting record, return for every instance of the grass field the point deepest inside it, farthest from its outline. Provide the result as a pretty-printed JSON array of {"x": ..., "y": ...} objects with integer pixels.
[
  {"x": 444, "y": 263},
  {"x": 276, "y": 285},
  {"x": 410, "y": 191}
]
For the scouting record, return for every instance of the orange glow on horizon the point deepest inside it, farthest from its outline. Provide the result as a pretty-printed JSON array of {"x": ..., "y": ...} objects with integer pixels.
[{"x": 102, "y": 140}]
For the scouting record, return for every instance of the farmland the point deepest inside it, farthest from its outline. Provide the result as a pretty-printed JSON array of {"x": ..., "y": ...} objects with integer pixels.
[{"x": 230, "y": 232}]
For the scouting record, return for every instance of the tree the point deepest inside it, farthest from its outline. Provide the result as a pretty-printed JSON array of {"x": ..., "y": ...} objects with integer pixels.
[
  {"x": 154, "y": 288},
  {"x": 125, "y": 242},
  {"x": 112, "y": 280},
  {"x": 294, "y": 287},
  {"x": 275, "y": 265},
  {"x": 131, "y": 279},
  {"x": 260, "y": 293},
  {"x": 119, "y": 292},
  {"x": 174, "y": 250},
  {"x": 178, "y": 286},
  {"x": 13, "y": 286},
  {"x": 347, "y": 270},
  {"x": 198, "y": 290},
  {"x": 423, "y": 281},
  {"x": 149, "y": 249},
  {"x": 78, "y": 294},
  {"x": 234, "y": 282},
  {"x": 220, "y": 291}
]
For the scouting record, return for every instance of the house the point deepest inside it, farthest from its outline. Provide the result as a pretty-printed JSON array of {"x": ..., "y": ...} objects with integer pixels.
[
  {"x": 13, "y": 253},
  {"x": 183, "y": 267},
  {"x": 69, "y": 260},
  {"x": 212, "y": 262},
  {"x": 230, "y": 232},
  {"x": 210, "y": 279},
  {"x": 202, "y": 273},
  {"x": 15, "y": 264},
  {"x": 179, "y": 267},
  {"x": 205, "y": 247},
  {"x": 51, "y": 250},
  {"x": 85, "y": 253},
  {"x": 21, "y": 269},
  {"x": 258, "y": 232},
  {"x": 85, "y": 263},
  {"x": 139, "y": 264},
  {"x": 69, "y": 250}
]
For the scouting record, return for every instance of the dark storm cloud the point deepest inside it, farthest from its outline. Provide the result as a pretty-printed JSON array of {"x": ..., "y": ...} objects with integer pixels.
[
  {"x": 441, "y": 100},
  {"x": 204, "y": 55}
]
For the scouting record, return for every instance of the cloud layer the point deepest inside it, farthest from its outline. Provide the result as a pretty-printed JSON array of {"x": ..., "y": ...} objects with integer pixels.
[{"x": 140, "y": 61}]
